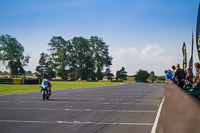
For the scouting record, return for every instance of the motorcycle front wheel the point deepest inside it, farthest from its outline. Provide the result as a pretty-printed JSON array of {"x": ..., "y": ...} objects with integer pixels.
[{"x": 43, "y": 96}]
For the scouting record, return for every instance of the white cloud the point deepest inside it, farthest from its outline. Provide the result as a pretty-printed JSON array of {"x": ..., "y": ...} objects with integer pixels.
[
  {"x": 150, "y": 58},
  {"x": 151, "y": 50}
]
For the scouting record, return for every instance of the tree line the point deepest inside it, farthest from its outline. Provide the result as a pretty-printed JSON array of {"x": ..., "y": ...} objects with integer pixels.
[{"x": 78, "y": 58}]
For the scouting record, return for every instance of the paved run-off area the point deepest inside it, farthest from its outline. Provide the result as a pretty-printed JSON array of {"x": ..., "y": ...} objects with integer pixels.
[{"x": 127, "y": 108}]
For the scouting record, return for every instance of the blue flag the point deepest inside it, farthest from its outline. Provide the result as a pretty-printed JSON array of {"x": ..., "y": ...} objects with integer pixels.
[
  {"x": 191, "y": 58},
  {"x": 198, "y": 34}
]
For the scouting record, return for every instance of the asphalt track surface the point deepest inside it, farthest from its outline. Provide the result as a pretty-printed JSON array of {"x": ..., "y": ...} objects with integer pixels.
[{"x": 127, "y": 108}]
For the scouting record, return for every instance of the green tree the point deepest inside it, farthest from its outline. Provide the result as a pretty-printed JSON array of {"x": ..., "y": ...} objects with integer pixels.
[
  {"x": 60, "y": 52},
  {"x": 45, "y": 69},
  {"x": 29, "y": 73},
  {"x": 121, "y": 74},
  {"x": 100, "y": 54},
  {"x": 108, "y": 74},
  {"x": 73, "y": 73},
  {"x": 152, "y": 76},
  {"x": 83, "y": 55},
  {"x": 118, "y": 75},
  {"x": 142, "y": 75},
  {"x": 11, "y": 52},
  {"x": 5, "y": 72},
  {"x": 80, "y": 57}
]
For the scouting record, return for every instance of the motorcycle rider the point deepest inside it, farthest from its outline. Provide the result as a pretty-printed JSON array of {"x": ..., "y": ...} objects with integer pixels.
[
  {"x": 46, "y": 83},
  {"x": 49, "y": 86}
]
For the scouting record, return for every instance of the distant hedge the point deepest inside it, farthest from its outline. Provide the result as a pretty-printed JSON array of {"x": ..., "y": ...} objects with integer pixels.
[{"x": 18, "y": 81}]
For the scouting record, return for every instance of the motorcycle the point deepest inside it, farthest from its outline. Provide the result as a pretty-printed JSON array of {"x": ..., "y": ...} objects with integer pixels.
[{"x": 45, "y": 92}]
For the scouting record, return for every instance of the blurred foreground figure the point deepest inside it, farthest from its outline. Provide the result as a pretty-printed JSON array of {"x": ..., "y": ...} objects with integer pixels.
[
  {"x": 180, "y": 76},
  {"x": 169, "y": 75}
]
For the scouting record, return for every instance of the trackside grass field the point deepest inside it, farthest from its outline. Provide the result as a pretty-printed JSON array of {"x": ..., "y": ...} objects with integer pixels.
[{"x": 56, "y": 85}]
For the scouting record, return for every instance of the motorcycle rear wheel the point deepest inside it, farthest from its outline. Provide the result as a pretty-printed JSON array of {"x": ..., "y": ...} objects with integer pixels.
[{"x": 47, "y": 97}]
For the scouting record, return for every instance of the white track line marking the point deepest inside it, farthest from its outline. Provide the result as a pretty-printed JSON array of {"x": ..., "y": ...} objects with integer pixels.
[
  {"x": 153, "y": 130},
  {"x": 84, "y": 110},
  {"x": 51, "y": 102},
  {"x": 78, "y": 122},
  {"x": 72, "y": 98},
  {"x": 91, "y": 95}
]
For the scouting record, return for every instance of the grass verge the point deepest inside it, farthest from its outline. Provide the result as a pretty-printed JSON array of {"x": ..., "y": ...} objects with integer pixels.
[{"x": 56, "y": 85}]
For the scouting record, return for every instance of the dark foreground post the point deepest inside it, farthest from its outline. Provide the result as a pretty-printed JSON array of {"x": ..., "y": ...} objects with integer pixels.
[{"x": 180, "y": 112}]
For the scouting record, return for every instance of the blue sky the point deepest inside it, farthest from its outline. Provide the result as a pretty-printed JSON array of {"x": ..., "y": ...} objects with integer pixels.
[{"x": 135, "y": 26}]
